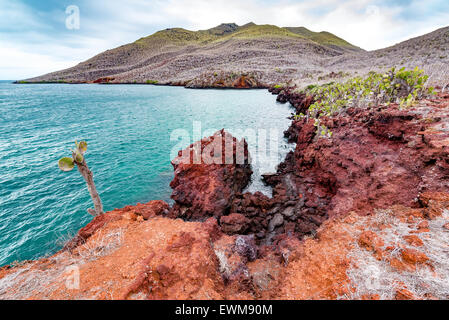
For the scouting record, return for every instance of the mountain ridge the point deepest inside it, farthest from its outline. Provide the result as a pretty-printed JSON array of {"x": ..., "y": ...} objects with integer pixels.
[{"x": 247, "y": 56}]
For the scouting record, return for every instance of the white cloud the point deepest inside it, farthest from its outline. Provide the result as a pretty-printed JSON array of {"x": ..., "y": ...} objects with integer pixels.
[
  {"x": 360, "y": 22},
  {"x": 16, "y": 64},
  {"x": 33, "y": 48},
  {"x": 16, "y": 16},
  {"x": 364, "y": 23}
]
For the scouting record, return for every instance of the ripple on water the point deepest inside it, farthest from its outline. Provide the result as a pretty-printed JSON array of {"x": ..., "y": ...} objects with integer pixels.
[{"x": 128, "y": 129}]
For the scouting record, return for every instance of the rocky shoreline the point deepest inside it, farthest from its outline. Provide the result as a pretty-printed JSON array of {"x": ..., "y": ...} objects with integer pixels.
[
  {"x": 217, "y": 242},
  {"x": 216, "y": 81}
]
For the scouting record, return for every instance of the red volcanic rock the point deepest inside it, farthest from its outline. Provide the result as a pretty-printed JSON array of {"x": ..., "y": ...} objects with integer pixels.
[
  {"x": 96, "y": 224},
  {"x": 404, "y": 294},
  {"x": 414, "y": 240},
  {"x": 370, "y": 297},
  {"x": 163, "y": 258},
  {"x": 301, "y": 132},
  {"x": 212, "y": 227},
  {"x": 434, "y": 201},
  {"x": 227, "y": 80},
  {"x": 423, "y": 225},
  {"x": 299, "y": 100},
  {"x": 234, "y": 253},
  {"x": 208, "y": 175},
  {"x": 414, "y": 256},
  {"x": 104, "y": 80},
  {"x": 370, "y": 241},
  {"x": 376, "y": 157},
  {"x": 426, "y": 197},
  {"x": 245, "y": 82},
  {"x": 275, "y": 89},
  {"x": 150, "y": 209},
  {"x": 235, "y": 223}
]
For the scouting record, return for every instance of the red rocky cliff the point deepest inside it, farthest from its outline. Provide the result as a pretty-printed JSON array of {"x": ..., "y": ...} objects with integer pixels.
[
  {"x": 363, "y": 215},
  {"x": 208, "y": 175}
]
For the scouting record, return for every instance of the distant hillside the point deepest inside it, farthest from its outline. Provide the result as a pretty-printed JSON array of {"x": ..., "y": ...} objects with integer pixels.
[
  {"x": 180, "y": 56},
  {"x": 429, "y": 52},
  {"x": 324, "y": 38},
  {"x": 245, "y": 56}
]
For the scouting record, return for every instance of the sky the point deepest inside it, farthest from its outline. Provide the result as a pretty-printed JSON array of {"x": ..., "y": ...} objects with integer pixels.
[{"x": 37, "y": 37}]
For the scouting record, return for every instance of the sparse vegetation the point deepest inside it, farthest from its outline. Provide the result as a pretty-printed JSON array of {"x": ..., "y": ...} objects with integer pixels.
[
  {"x": 371, "y": 276},
  {"x": 177, "y": 56},
  {"x": 402, "y": 86},
  {"x": 103, "y": 245},
  {"x": 324, "y": 38}
]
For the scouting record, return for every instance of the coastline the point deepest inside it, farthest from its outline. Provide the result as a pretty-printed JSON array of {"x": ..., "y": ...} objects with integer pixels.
[
  {"x": 256, "y": 247},
  {"x": 206, "y": 87},
  {"x": 99, "y": 225},
  {"x": 156, "y": 149},
  {"x": 309, "y": 160}
]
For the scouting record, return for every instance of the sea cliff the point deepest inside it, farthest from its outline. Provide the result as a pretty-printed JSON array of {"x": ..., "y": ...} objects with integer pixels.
[{"x": 373, "y": 197}]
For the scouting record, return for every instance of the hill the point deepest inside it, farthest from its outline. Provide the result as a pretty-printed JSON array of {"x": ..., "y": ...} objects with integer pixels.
[
  {"x": 429, "y": 52},
  {"x": 251, "y": 56},
  {"x": 180, "y": 56},
  {"x": 324, "y": 38}
]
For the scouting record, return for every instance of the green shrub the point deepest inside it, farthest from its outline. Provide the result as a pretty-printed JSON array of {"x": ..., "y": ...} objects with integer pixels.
[{"x": 402, "y": 86}]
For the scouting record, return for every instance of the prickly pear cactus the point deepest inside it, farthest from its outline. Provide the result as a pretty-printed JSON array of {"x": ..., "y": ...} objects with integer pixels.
[{"x": 68, "y": 164}]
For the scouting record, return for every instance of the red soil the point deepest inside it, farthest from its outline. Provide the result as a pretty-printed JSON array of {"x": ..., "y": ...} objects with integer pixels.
[{"x": 373, "y": 196}]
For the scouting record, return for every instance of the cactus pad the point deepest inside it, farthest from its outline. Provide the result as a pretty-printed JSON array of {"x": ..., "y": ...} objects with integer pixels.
[
  {"x": 82, "y": 147},
  {"x": 66, "y": 164}
]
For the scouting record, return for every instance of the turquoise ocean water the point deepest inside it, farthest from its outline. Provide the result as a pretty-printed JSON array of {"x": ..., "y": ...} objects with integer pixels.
[{"x": 128, "y": 129}]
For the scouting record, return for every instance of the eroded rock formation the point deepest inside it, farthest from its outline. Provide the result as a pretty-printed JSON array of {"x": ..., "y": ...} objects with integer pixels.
[
  {"x": 392, "y": 254},
  {"x": 363, "y": 215},
  {"x": 208, "y": 175},
  {"x": 372, "y": 152},
  {"x": 228, "y": 80}
]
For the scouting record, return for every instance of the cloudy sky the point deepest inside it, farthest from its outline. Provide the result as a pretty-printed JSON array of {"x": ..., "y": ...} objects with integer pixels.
[{"x": 38, "y": 37}]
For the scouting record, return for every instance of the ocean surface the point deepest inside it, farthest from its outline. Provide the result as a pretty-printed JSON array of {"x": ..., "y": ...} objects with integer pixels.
[{"x": 132, "y": 132}]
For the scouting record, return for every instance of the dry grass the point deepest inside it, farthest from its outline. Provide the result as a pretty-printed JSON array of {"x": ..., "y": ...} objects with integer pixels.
[
  {"x": 102, "y": 245},
  {"x": 30, "y": 279},
  {"x": 370, "y": 276},
  {"x": 42, "y": 278}
]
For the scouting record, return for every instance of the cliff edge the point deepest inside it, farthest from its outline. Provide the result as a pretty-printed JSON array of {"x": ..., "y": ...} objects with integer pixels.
[{"x": 362, "y": 215}]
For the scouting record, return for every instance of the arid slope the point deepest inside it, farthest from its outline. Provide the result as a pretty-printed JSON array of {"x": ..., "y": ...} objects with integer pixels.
[
  {"x": 179, "y": 56},
  {"x": 263, "y": 54}
]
